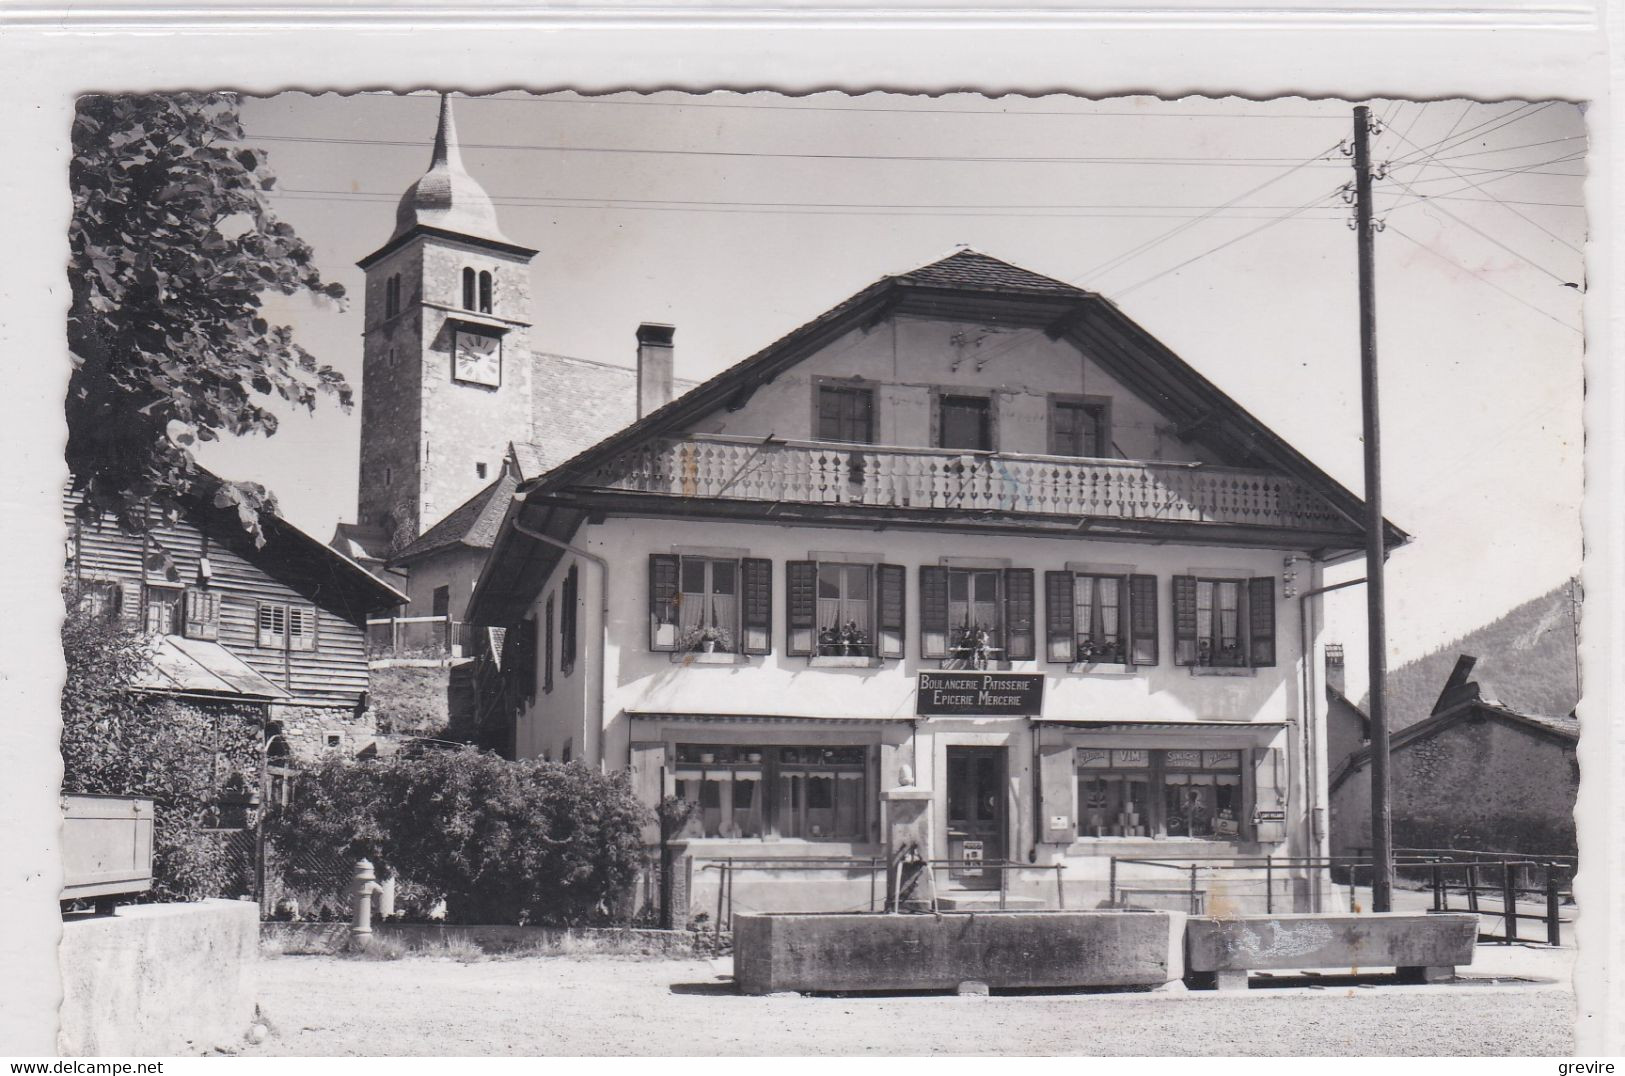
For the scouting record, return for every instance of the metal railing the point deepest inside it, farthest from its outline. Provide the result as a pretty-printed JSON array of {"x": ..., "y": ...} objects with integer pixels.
[
  {"x": 733, "y": 467},
  {"x": 1474, "y": 874},
  {"x": 877, "y": 869}
]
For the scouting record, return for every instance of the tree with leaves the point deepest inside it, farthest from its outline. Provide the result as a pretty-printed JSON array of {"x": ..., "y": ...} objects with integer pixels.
[
  {"x": 119, "y": 740},
  {"x": 173, "y": 245}
]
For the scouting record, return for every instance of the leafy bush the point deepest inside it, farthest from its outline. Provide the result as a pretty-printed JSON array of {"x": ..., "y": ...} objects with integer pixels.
[
  {"x": 116, "y": 741},
  {"x": 499, "y": 841}
]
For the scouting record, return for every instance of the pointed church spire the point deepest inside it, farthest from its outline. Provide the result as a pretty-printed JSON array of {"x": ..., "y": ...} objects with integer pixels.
[
  {"x": 446, "y": 153},
  {"x": 447, "y": 197}
]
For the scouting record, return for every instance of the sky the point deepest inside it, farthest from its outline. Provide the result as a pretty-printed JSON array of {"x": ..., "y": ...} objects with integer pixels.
[{"x": 1217, "y": 224}]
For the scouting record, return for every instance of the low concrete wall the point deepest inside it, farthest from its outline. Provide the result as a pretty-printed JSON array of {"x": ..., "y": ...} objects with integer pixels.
[
  {"x": 938, "y": 952},
  {"x": 159, "y": 979},
  {"x": 496, "y": 938},
  {"x": 1354, "y": 942}
]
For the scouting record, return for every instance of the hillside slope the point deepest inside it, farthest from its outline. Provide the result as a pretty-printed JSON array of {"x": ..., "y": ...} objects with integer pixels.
[{"x": 1525, "y": 659}]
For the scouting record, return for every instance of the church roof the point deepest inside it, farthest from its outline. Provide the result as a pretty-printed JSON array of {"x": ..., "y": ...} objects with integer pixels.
[
  {"x": 473, "y": 523},
  {"x": 446, "y": 197},
  {"x": 577, "y": 403}
]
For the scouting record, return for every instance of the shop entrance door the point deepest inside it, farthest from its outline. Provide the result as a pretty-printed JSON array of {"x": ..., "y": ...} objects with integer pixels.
[{"x": 976, "y": 814}]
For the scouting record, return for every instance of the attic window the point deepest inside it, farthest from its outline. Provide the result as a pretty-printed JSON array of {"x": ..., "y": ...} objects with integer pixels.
[{"x": 479, "y": 469}]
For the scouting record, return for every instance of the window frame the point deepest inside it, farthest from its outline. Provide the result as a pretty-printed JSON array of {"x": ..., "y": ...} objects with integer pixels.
[
  {"x": 1155, "y": 772},
  {"x": 775, "y": 764},
  {"x": 1257, "y": 634},
  {"x": 666, "y": 581},
  {"x": 288, "y": 639},
  {"x": 173, "y": 599},
  {"x": 831, "y": 640},
  {"x": 487, "y": 291},
  {"x": 1101, "y": 405},
  {"x": 470, "y": 288},
  {"x": 939, "y": 399},
  {"x": 844, "y": 387}
]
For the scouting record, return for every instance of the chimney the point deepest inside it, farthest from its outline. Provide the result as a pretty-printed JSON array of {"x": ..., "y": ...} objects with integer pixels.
[
  {"x": 654, "y": 366},
  {"x": 1334, "y": 667}
]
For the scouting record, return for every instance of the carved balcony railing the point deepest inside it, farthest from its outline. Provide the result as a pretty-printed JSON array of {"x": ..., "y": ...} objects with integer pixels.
[{"x": 725, "y": 467}]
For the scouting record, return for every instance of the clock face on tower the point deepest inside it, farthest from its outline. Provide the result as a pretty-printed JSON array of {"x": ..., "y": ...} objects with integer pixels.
[{"x": 476, "y": 358}]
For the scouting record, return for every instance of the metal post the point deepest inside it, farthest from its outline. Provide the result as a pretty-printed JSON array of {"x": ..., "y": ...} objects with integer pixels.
[
  {"x": 872, "y": 863},
  {"x": 1439, "y": 900},
  {"x": 722, "y": 886},
  {"x": 1509, "y": 903},
  {"x": 1060, "y": 890},
  {"x": 1382, "y": 815},
  {"x": 1004, "y": 883},
  {"x": 1472, "y": 888},
  {"x": 1269, "y": 886},
  {"x": 1113, "y": 895},
  {"x": 1194, "y": 909},
  {"x": 1553, "y": 933}
]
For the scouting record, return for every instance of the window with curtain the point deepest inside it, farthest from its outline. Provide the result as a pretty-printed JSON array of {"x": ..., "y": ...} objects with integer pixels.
[
  {"x": 975, "y": 621},
  {"x": 807, "y": 793},
  {"x": 1098, "y": 610},
  {"x": 846, "y": 610},
  {"x": 708, "y": 605}
]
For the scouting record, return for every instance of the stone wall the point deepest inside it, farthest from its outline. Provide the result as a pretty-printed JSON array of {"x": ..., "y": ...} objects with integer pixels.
[
  {"x": 159, "y": 979},
  {"x": 1485, "y": 784},
  {"x": 310, "y": 730}
]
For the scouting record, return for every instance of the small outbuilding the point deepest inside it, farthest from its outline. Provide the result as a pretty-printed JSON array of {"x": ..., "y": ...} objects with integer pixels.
[{"x": 1474, "y": 773}]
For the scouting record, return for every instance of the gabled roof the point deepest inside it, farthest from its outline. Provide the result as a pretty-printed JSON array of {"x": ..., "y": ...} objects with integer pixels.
[
  {"x": 474, "y": 523},
  {"x": 284, "y": 541},
  {"x": 1008, "y": 292}
]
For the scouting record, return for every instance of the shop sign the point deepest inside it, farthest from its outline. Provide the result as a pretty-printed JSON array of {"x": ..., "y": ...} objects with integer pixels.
[
  {"x": 980, "y": 694},
  {"x": 1269, "y": 816}
]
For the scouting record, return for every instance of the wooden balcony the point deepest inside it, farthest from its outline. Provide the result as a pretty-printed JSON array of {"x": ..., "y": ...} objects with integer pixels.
[{"x": 729, "y": 468}]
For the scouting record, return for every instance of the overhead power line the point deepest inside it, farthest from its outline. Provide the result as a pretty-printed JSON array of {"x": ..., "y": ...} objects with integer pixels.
[
  {"x": 1218, "y": 161},
  {"x": 1129, "y": 255},
  {"x": 1482, "y": 278},
  {"x": 816, "y": 208}
]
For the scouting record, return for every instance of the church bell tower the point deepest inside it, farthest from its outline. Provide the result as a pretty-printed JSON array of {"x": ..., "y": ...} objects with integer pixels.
[{"x": 446, "y": 367}]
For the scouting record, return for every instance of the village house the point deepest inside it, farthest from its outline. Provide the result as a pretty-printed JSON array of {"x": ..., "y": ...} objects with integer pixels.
[
  {"x": 970, "y": 563},
  {"x": 970, "y": 546},
  {"x": 277, "y": 630},
  {"x": 1474, "y": 774}
]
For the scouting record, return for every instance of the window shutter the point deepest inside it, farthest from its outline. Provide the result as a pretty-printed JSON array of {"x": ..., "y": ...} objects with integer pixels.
[
  {"x": 202, "y": 614},
  {"x": 1059, "y": 618},
  {"x": 1020, "y": 639},
  {"x": 1269, "y": 792},
  {"x": 129, "y": 604},
  {"x": 801, "y": 606},
  {"x": 569, "y": 601},
  {"x": 648, "y": 764},
  {"x": 662, "y": 601},
  {"x": 1261, "y": 617},
  {"x": 301, "y": 627},
  {"x": 1142, "y": 619},
  {"x": 757, "y": 578},
  {"x": 519, "y": 651},
  {"x": 546, "y": 655},
  {"x": 1058, "y": 794},
  {"x": 933, "y": 611},
  {"x": 272, "y": 625},
  {"x": 1184, "y": 619},
  {"x": 893, "y": 616}
]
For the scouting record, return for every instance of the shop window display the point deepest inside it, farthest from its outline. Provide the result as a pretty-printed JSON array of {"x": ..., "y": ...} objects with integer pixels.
[
  {"x": 1138, "y": 792},
  {"x": 807, "y": 793}
]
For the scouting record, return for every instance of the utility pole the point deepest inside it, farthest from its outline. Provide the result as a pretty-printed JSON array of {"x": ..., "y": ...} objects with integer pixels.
[{"x": 1382, "y": 812}]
